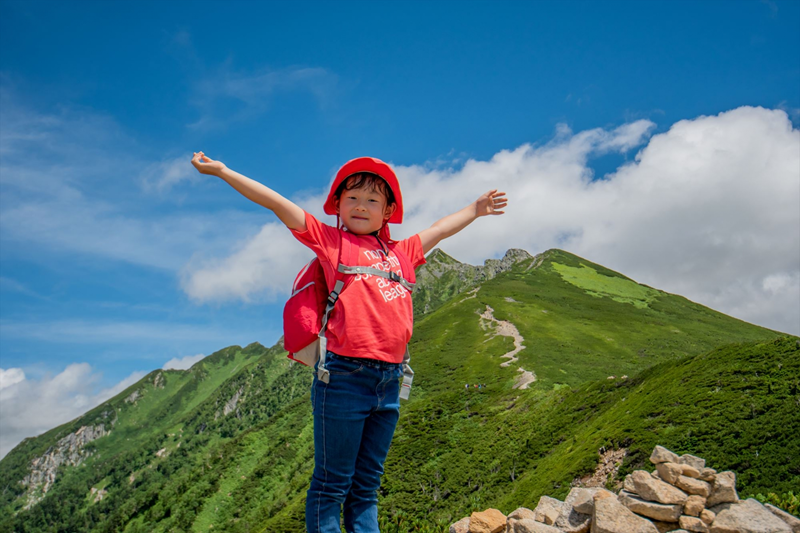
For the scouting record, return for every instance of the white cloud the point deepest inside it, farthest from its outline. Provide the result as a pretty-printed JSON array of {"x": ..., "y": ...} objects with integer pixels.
[
  {"x": 31, "y": 407},
  {"x": 182, "y": 363},
  {"x": 265, "y": 266},
  {"x": 10, "y": 377},
  {"x": 709, "y": 209}
]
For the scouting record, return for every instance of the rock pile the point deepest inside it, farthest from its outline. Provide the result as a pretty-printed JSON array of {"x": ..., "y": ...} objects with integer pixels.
[{"x": 681, "y": 495}]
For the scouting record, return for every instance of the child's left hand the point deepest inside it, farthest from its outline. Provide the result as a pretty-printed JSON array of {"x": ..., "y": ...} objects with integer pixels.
[{"x": 489, "y": 203}]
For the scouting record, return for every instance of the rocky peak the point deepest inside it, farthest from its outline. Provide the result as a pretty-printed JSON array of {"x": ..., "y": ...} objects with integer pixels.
[
  {"x": 442, "y": 277},
  {"x": 492, "y": 267}
]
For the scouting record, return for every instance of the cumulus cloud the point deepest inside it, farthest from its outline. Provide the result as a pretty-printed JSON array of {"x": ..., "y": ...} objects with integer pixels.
[
  {"x": 264, "y": 265},
  {"x": 31, "y": 407},
  {"x": 182, "y": 363},
  {"x": 10, "y": 377},
  {"x": 709, "y": 209}
]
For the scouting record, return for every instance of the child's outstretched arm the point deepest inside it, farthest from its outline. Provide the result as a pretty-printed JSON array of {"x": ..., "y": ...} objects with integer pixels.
[
  {"x": 290, "y": 213},
  {"x": 488, "y": 204}
]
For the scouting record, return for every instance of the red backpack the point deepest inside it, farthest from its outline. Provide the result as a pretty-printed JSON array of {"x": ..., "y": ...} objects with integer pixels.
[{"x": 305, "y": 315}]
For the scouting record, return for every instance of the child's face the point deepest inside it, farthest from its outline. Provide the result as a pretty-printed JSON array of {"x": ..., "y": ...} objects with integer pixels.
[{"x": 364, "y": 210}]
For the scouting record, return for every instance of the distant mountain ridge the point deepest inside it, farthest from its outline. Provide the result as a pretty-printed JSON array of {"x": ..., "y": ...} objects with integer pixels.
[
  {"x": 442, "y": 277},
  {"x": 228, "y": 442}
]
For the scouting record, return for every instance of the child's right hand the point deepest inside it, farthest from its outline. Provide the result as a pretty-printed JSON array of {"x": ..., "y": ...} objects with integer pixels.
[{"x": 206, "y": 165}]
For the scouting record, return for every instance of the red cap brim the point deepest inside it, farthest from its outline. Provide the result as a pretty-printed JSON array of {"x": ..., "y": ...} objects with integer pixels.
[{"x": 375, "y": 166}]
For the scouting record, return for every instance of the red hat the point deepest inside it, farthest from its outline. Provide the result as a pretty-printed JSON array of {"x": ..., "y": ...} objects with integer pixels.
[{"x": 374, "y": 166}]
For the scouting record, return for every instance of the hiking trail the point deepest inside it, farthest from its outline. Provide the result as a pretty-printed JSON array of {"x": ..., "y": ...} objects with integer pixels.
[{"x": 507, "y": 329}]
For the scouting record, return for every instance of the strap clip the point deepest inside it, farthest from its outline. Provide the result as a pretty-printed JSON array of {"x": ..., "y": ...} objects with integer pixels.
[
  {"x": 332, "y": 298},
  {"x": 408, "y": 378}
]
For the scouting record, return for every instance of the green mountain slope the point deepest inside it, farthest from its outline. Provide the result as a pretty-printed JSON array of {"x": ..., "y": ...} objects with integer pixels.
[
  {"x": 227, "y": 445},
  {"x": 736, "y": 406}
]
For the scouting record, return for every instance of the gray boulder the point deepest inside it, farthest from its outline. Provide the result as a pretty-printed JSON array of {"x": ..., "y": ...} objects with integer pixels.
[
  {"x": 547, "y": 511},
  {"x": 657, "y": 511},
  {"x": 610, "y": 516},
  {"x": 662, "y": 455},
  {"x": 462, "y": 526},
  {"x": 723, "y": 490},
  {"x": 747, "y": 516},
  {"x": 527, "y": 525},
  {"x": 791, "y": 521},
  {"x": 570, "y": 520},
  {"x": 656, "y": 490}
]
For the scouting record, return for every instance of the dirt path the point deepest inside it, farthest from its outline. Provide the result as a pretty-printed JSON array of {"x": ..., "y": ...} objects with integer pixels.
[
  {"x": 507, "y": 329},
  {"x": 473, "y": 293}
]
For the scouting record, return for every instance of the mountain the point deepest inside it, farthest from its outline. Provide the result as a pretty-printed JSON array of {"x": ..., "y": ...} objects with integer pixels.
[{"x": 579, "y": 366}]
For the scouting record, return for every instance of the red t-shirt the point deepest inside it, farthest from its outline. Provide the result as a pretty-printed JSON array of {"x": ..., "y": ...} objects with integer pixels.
[{"x": 374, "y": 317}]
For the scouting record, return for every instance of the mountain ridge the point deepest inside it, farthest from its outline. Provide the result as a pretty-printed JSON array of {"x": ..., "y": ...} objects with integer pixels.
[{"x": 227, "y": 442}]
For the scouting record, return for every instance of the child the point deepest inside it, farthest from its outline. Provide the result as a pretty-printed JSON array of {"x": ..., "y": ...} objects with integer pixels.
[{"x": 356, "y": 412}]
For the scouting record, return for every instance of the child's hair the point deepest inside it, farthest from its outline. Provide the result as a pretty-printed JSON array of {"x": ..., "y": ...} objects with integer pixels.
[{"x": 369, "y": 181}]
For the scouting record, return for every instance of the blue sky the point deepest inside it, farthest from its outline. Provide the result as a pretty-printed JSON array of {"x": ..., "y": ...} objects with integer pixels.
[{"x": 117, "y": 256}]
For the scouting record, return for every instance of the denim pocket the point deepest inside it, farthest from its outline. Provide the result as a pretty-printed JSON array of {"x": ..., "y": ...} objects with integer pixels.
[{"x": 343, "y": 367}]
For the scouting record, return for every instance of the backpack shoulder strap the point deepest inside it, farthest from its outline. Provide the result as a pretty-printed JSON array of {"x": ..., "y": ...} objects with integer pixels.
[
  {"x": 405, "y": 263},
  {"x": 348, "y": 249}
]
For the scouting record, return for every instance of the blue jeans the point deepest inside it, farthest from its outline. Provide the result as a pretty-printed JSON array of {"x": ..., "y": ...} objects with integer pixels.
[{"x": 354, "y": 420}]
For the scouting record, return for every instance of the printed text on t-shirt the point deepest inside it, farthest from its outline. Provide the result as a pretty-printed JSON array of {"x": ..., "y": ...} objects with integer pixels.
[{"x": 389, "y": 290}]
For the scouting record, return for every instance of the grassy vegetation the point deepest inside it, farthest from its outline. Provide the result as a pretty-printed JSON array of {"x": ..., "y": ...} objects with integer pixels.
[{"x": 698, "y": 382}]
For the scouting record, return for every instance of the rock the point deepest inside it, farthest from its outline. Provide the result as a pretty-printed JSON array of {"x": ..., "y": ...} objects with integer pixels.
[
  {"x": 708, "y": 474},
  {"x": 584, "y": 499},
  {"x": 693, "y": 486},
  {"x": 707, "y": 516},
  {"x": 547, "y": 510},
  {"x": 604, "y": 494},
  {"x": 692, "y": 523},
  {"x": 658, "y": 511},
  {"x": 527, "y": 525},
  {"x": 610, "y": 516},
  {"x": 628, "y": 485},
  {"x": 462, "y": 526},
  {"x": 694, "y": 505},
  {"x": 690, "y": 471},
  {"x": 135, "y": 395},
  {"x": 747, "y": 516},
  {"x": 791, "y": 521},
  {"x": 656, "y": 490},
  {"x": 723, "y": 490},
  {"x": 570, "y": 520},
  {"x": 662, "y": 455},
  {"x": 522, "y": 513},
  {"x": 68, "y": 451},
  {"x": 692, "y": 461},
  {"x": 665, "y": 527},
  {"x": 230, "y": 406},
  {"x": 488, "y": 521},
  {"x": 669, "y": 472}
]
